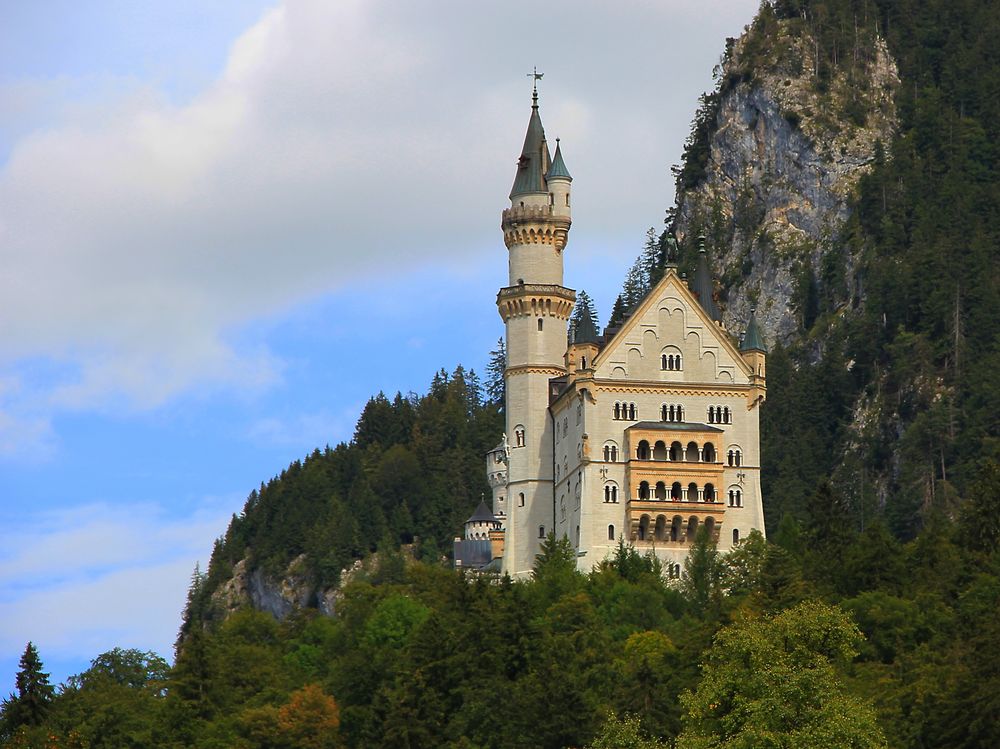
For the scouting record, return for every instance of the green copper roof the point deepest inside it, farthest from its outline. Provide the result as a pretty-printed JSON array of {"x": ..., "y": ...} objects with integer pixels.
[
  {"x": 702, "y": 285},
  {"x": 585, "y": 332},
  {"x": 753, "y": 340},
  {"x": 558, "y": 168},
  {"x": 534, "y": 160}
]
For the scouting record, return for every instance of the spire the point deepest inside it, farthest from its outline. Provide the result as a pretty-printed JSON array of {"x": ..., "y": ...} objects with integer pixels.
[
  {"x": 702, "y": 285},
  {"x": 753, "y": 340},
  {"x": 558, "y": 169},
  {"x": 534, "y": 160},
  {"x": 584, "y": 331},
  {"x": 482, "y": 514}
]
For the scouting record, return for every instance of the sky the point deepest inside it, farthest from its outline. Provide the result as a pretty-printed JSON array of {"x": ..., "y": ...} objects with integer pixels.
[{"x": 224, "y": 226}]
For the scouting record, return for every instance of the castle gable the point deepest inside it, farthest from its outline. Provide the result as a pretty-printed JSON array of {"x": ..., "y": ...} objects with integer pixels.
[{"x": 669, "y": 337}]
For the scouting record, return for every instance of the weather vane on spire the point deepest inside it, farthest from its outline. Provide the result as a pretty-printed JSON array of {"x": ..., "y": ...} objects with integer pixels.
[{"x": 535, "y": 77}]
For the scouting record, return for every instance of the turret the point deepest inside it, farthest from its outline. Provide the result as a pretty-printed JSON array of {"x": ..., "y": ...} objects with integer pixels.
[
  {"x": 755, "y": 354},
  {"x": 702, "y": 285},
  {"x": 584, "y": 346}
]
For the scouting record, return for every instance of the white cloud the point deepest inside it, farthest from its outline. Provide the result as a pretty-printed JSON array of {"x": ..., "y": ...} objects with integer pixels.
[
  {"x": 84, "y": 580},
  {"x": 342, "y": 139}
]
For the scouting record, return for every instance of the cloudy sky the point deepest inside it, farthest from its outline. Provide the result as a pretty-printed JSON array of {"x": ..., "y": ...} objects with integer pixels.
[{"x": 223, "y": 226}]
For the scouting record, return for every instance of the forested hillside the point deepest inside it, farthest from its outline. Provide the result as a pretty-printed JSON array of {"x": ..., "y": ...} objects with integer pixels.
[{"x": 412, "y": 473}]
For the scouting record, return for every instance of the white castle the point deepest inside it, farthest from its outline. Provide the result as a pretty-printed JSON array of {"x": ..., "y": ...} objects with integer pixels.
[{"x": 644, "y": 434}]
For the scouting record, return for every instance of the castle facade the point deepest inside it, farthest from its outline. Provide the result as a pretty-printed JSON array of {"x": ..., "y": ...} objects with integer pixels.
[{"x": 643, "y": 434}]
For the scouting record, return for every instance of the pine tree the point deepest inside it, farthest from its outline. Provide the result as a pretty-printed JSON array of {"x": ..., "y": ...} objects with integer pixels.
[
  {"x": 34, "y": 694},
  {"x": 496, "y": 387},
  {"x": 617, "y": 313},
  {"x": 583, "y": 310}
]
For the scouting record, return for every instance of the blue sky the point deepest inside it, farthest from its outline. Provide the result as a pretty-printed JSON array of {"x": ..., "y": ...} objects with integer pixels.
[{"x": 224, "y": 226}]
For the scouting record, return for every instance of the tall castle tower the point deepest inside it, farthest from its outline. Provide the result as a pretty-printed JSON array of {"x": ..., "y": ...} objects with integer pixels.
[{"x": 535, "y": 308}]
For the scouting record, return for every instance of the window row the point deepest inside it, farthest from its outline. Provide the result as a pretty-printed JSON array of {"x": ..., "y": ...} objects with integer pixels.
[
  {"x": 610, "y": 494},
  {"x": 719, "y": 415},
  {"x": 672, "y": 412},
  {"x": 674, "y": 529},
  {"x": 677, "y": 452},
  {"x": 625, "y": 411},
  {"x": 734, "y": 457},
  {"x": 735, "y": 498},
  {"x": 673, "y": 569},
  {"x": 677, "y": 492},
  {"x": 670, "y": 362}
]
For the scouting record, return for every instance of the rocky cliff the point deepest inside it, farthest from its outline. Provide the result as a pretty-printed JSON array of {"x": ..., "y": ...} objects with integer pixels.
[{"x": 785, "y": 150}]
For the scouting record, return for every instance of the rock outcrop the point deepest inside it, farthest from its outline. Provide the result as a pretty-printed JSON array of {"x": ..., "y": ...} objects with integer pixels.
[{"x": 785, "y": 156}]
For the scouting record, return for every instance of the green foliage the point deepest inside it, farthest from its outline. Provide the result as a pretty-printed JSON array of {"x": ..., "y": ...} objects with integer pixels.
[
  {"x": 624, "y": 733},
  {"x": 774, "y": 683}
]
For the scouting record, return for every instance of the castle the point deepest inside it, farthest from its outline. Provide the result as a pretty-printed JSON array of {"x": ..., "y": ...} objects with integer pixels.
[{"x": 644, "y": 434}]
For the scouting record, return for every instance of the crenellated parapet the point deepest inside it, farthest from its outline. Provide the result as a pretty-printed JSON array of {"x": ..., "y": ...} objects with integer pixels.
[
  {"x": 535, "y": 224},
  {"x": 536, "y": 300}
]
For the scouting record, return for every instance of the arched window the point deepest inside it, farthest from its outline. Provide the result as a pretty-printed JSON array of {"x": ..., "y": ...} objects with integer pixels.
[
  {"x": 691, "y": 455},
  {"x": 643, "y": 527},
  {"x": 663, "y": 361},
  {"x": 614, "y": 453},
  {"x": 607, "y": 492},
  {"x": 618, "y": 410},
  {"x": 520, "y": 499},
  {"x": 660, "y": 450},
  {"x": 736, "y": 536},
  {"x": 677, "y": 362},
  {"x": 709, "y": 493},
  {"x": 660, "y": 529},
  {"x": 692, "y": 528},
  {"x": 661, "y": 490},
  {"x": 631, "y": 411},
  {"x": 676, "y": 528},
  {"x": 663, "y": 412},
  {"x": 607, "y": 454},
  {"x": 729, "y": 458},
  {"x": 692, "y": 492},
  {"x": 540, "y": 321},
  {"x": 727, "y": 417},
  {"x": 675, "y": 491},
  {"x": 541, "y": 531},
  {"x": 676, "y": 451},
  {"x": 583, "y": 362},
  {"x": 644, "y": 490},
  {"x": 611, "y": 533},
  {"x": 711, "y": 414},
  {"x": 518, "y": 436},
  {"x": 739, "y": 457},
  {"x": 642, "y": 451},
  {"x": 708, "y": 453},
  {"x": 614, "y": 493},
  {"x": 739, "y": 498}
]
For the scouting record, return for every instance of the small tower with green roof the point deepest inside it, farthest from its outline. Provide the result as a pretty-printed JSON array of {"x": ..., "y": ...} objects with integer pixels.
[{"x": 754, "y": 353}]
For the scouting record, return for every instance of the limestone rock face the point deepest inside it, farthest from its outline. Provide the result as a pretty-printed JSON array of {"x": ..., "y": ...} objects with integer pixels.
[{"x": 786, "y": 154}]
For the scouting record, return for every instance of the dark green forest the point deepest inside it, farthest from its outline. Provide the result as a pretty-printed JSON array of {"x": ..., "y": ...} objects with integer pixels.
[{"x": 870, "y": 616}]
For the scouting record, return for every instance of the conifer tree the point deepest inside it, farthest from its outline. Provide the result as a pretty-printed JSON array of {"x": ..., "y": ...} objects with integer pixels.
[
  {"x": 584, "y": 310},
  {"x": 34, "y": 694},
  {"x": 496, "y": 387}
]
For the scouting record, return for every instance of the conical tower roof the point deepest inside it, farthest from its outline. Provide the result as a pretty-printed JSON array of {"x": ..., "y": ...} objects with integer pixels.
[
  {"x": 584, "y": 331},
  {"x": 701, "y": 285},
  {"x": 482, "y": 514},
  {"x": 558, "y": 169},
  {"x": 753, "y": 339},
  {"x": 534, "y": 160}
]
